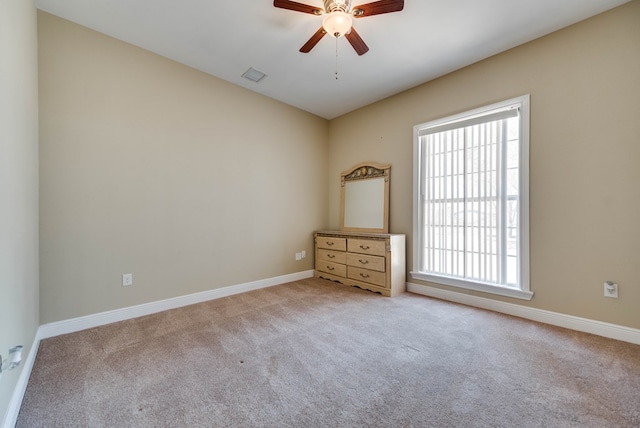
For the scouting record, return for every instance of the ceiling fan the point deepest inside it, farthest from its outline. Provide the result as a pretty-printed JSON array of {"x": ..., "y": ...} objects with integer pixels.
[{"x": 338, "y": 19}]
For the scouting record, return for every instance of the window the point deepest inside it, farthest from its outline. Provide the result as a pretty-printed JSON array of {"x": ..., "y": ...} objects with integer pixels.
[{"x": 471, "y": 200}]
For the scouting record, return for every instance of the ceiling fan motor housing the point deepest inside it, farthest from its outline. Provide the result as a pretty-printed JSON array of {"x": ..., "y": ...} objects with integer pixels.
[{"x": 337, "y": 6}]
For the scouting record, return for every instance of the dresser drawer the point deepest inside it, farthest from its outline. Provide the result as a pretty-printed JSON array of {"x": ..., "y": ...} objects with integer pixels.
[
  {"x": 332, "y": 268},
  {"x": 331, "y": 243},
  {"x": 332, "y": 256},
  {"x": 365, "y": 246},
  {"x": 366, "y": 262},
  {"x": 365, "y": 275}
]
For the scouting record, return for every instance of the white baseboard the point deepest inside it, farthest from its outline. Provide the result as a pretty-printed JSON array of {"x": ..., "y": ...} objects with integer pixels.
[
  {"x": 102, "y": 318},
  {"x": 612, "y": 331},
  {"x": 11, "y": 416}
]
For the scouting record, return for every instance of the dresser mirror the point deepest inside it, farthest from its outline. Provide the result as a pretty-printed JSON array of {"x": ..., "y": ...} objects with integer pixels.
[{"x": 364, "y": 199}]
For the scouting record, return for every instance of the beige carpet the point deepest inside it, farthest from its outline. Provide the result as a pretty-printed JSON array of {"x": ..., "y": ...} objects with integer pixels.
[{"x": 313, "y": 353}]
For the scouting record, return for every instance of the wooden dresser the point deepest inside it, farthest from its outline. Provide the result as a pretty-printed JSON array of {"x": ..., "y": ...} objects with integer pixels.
[{"x": 373, "y": 261}]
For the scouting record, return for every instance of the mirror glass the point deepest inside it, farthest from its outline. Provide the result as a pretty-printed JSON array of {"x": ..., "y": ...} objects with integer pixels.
[
  {"x": 364, "y": 204},
  {"x": 365, "y": 198}
]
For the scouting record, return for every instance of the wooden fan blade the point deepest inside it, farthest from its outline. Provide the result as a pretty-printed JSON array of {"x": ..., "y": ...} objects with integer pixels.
[
  {"x": 377, "y": 8},
  {"x": 356, "y": 41},
  {"x": 313, "y": 40},
  {"x": 298, "y": 7}
]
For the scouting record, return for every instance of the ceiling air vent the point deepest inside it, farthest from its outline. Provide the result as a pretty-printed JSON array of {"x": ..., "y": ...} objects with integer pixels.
[{"x": 253, "y": 75}]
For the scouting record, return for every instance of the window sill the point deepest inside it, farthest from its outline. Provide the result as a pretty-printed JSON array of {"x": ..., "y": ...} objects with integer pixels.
[{"x": 476, "y": 286}]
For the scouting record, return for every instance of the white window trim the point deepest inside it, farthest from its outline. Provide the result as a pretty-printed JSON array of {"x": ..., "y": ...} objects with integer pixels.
[{"x": 524, "y": 291}]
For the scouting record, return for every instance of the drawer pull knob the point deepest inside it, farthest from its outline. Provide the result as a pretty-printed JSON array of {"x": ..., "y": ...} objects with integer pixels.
[
  {"x": 364, "y": 275},
  {"x": 331, "y": 256},
  {"x": 364, "y": 247},
  {"x": 364, "y": 262},
  {"x": 330, "y": 243},
  {"x": 331, "y": 268}
]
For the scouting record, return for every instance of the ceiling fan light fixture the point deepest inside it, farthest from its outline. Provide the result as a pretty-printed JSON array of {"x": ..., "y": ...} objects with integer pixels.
[{"x": 337, "y": 23}]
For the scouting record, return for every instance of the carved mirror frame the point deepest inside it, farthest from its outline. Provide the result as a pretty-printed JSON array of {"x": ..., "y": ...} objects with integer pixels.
[{"x": 364, "y": 198}]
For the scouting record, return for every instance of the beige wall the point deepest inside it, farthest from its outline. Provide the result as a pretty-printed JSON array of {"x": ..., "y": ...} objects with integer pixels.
[
  {"x": 585, "y": 151},
  {"x": 152, "y": 168},
  {"x": 18, "y": 185}
]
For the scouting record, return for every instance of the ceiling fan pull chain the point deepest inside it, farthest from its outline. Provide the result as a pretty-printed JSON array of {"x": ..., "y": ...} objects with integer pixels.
[{"x": 336, "y": 58}]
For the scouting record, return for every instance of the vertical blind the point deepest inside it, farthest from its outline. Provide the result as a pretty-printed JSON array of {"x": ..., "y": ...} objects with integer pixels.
[{"x": 468, "y": 196}]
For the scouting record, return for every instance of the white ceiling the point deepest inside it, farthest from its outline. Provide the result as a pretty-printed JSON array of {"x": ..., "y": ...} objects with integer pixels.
[{"x": 429, "y": 38}]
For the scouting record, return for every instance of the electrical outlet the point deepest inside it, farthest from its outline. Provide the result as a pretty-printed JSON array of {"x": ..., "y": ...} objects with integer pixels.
[
  {"x": 298, "y": 256},
  {"x": 15, "y": 357},
  {"x": 13, "y": 361},
  {"x": 127, "y": 279},
  {"x": 611, "y": 289},
  {"x": 304, "y": 254}
]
